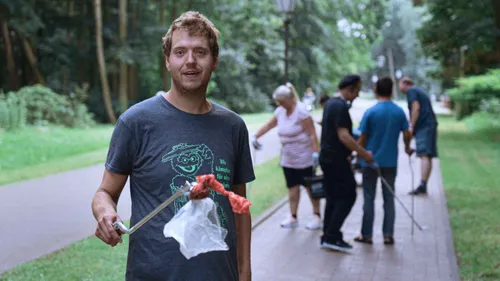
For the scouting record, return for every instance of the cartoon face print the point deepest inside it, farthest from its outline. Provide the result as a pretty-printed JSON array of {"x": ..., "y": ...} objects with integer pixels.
[{"x": 187, "y": 163}]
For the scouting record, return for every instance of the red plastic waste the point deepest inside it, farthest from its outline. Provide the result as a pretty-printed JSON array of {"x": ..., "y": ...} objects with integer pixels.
[{"x": 240, "y": 204}]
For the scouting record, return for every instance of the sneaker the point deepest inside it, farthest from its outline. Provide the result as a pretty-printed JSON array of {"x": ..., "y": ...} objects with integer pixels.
[
  {"x": 315, "y": 223},
  {"x": 340, "y": 245},
  {"x": 289, "y": 222},
  {"x": 420, "y": 190}
]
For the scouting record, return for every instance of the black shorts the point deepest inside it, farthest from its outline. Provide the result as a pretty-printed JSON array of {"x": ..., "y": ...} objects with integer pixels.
[{"x": 295, "y": 177}]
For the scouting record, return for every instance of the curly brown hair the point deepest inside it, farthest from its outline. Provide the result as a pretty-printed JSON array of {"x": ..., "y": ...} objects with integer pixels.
[{"x": 196, "y": 24}]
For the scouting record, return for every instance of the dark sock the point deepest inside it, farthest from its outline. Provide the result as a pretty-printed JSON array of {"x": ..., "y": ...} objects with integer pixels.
[
  {"x": 317, "y": 214},
  {"x": 294, "y": 216},
  {"x": 423, "y": 184}
]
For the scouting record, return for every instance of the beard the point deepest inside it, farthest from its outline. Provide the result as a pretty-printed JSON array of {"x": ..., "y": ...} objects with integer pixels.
[{"x": 190, "y": 86}]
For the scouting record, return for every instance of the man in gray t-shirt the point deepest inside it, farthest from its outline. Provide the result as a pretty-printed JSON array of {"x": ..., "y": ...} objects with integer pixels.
[
  {"x": 165, "y": 141},
  {"x": 423, "y": 126}
]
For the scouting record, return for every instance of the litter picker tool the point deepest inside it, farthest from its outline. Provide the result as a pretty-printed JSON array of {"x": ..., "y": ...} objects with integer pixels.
[
  {"x": 183, "y": 191},
  {"x": 413, "y": 197},
  {"x": 391, "y": 189}
]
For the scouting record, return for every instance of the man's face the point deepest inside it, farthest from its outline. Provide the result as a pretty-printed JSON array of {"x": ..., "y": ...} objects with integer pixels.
[
  {"x": 402, "y": 86},
  {"x": 190, "y": 61},
  {"x": 354, "y": 92}
]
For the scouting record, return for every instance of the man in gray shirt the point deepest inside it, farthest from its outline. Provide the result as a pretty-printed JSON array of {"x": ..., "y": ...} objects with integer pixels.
[
  {"x": 168, "y": 139},
  {"x": 423, "y": 125}
]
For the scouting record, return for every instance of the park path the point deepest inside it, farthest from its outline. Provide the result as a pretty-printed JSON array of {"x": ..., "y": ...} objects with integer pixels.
[
  {"x": 40, "y": 216},
  {"x": 294, "y": 255}
]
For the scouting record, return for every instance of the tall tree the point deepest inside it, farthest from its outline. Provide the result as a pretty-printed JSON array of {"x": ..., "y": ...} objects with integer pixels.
[
  {"x": 102, "y": 63},
  {"x": 9, "y": 56},
  {"x": 123, "y": 93}
]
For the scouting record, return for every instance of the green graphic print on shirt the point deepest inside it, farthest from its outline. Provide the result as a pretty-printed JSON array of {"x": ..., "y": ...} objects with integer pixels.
[{"x": 190, "y": 160}]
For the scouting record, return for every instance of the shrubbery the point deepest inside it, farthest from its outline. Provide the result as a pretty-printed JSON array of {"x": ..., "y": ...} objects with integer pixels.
[
  {"x": 477, "y": 93},
  {"x": 38, "y": 105}
]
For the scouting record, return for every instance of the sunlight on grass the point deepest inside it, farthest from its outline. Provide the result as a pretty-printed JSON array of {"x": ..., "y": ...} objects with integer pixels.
[{"x": 470, "y": 162}]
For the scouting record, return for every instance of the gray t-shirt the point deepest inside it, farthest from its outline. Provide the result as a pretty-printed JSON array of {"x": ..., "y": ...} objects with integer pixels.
[{"x": 161, "y": 147}]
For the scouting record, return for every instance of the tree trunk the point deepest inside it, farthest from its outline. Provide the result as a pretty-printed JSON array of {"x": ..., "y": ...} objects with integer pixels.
[
  {"x": 102, "y": 63},
  {"x": 9, "y": 56},
  {"x": 390, "y": 58},
  {"x": 496, "y": 13},
  {"x": 32, "y": 60},
  {"x": 123, "y": 65},
  {"x": 163, "y": 67},
  {"x": 65, "y": 74},
  {"x": 132, "y": 69}
]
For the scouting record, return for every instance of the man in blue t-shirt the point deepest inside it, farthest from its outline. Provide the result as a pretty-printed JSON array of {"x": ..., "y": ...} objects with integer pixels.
[
  {"x": 380, "y": 129},
  {"x": 423, "y": 125}
]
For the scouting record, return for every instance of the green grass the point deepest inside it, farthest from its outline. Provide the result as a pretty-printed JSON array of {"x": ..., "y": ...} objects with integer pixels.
[
  {"x": 470, "y": 165},
  {"x": 33, "y": 152},
  {"x": 90, "y": 259},
  {"x": 32, "y": 146},
  {"x": 36, "y": 152}
]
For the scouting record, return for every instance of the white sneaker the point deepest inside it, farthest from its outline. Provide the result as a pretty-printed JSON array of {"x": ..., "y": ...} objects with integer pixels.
[
  {"x": 289, "y": 222},
  {"x": 315, "y": 223}
]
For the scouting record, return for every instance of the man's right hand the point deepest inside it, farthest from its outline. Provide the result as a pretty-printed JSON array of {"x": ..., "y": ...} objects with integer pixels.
[
  {"x": 105, "y": 230},
  {"x": 368, "y": 156},
  {"x": 409, "y": 151}
]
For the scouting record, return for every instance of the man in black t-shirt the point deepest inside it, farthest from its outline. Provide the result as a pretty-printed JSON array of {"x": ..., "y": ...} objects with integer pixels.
[{"x": 337, "y": 143}]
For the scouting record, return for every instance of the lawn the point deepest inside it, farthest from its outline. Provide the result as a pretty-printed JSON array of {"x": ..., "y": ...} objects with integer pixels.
[
  {"x": 35, "y": 152},
  {"x": 91, "y": 259},
  {"x": 470, "y": 165}
]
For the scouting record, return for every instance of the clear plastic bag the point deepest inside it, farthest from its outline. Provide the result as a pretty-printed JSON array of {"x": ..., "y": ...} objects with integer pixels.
[{"x": 197, "y": 228}]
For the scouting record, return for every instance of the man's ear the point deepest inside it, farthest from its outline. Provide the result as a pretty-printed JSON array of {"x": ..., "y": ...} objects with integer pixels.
[
  {"x": 216, "y": 64},
  {"x": 167, "y": 64}
]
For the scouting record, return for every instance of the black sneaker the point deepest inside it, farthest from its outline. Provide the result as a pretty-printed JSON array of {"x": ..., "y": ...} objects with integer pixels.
[
  {"x": 419, "y": 191},
  {"x": 340, "y": 245}
]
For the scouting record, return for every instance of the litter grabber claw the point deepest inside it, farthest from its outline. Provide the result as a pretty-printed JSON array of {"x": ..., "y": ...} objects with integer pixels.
[{"x": 183, "y": 191}]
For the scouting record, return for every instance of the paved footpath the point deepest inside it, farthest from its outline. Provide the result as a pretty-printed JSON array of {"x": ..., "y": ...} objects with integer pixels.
[{"x": 294, "y": 255}]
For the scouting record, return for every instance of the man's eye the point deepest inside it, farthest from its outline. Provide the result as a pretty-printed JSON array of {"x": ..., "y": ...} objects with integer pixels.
[
  {"x": 179, "y": 52},
  {"x": 201, "y": 52}
]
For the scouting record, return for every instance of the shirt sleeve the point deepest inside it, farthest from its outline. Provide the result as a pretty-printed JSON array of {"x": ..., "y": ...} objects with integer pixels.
[
  {"x": 363, "y": 126},
  {"x": 243, "y": 167},
  {"x": 122, "y": 150},
  {"x": 302, "y": 113},
  {"x": 411, "y": 96},
  {"x": 344, "y": 118}
]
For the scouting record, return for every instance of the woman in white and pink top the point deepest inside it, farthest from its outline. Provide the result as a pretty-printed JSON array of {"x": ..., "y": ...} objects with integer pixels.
[{"x": 299, "y": 153}]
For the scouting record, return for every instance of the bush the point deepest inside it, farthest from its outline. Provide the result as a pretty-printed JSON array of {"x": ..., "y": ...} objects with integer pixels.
[
  {"x": 483, "y": 122},
  {"x": 38, "y": 105},
  {"x": 12, "y": 112},
  {"x": 472, "y": 91}
]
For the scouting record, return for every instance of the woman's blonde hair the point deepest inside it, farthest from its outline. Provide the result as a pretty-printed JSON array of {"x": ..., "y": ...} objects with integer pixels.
[{"x": 286, "y": 91}]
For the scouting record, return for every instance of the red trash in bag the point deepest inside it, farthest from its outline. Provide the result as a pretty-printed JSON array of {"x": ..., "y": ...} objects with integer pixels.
[{"x": 240, "y": 204}]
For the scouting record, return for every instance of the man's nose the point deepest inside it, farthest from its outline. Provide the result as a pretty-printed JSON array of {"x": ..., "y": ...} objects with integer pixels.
[{"x": 191, "y": 58}]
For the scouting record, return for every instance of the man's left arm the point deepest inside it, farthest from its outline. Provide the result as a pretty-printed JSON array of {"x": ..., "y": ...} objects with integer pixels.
[
  {"x": 243, "y": 237},
  {"x": 415, "y": 112},
  {"x": 362, "y": 139}
]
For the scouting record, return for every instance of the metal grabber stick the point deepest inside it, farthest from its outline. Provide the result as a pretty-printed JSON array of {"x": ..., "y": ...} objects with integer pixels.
[
  {"x": 183, "y": 191},
  {"x": 389, "y": 187},
  {"x": 412, "y": 186}
]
